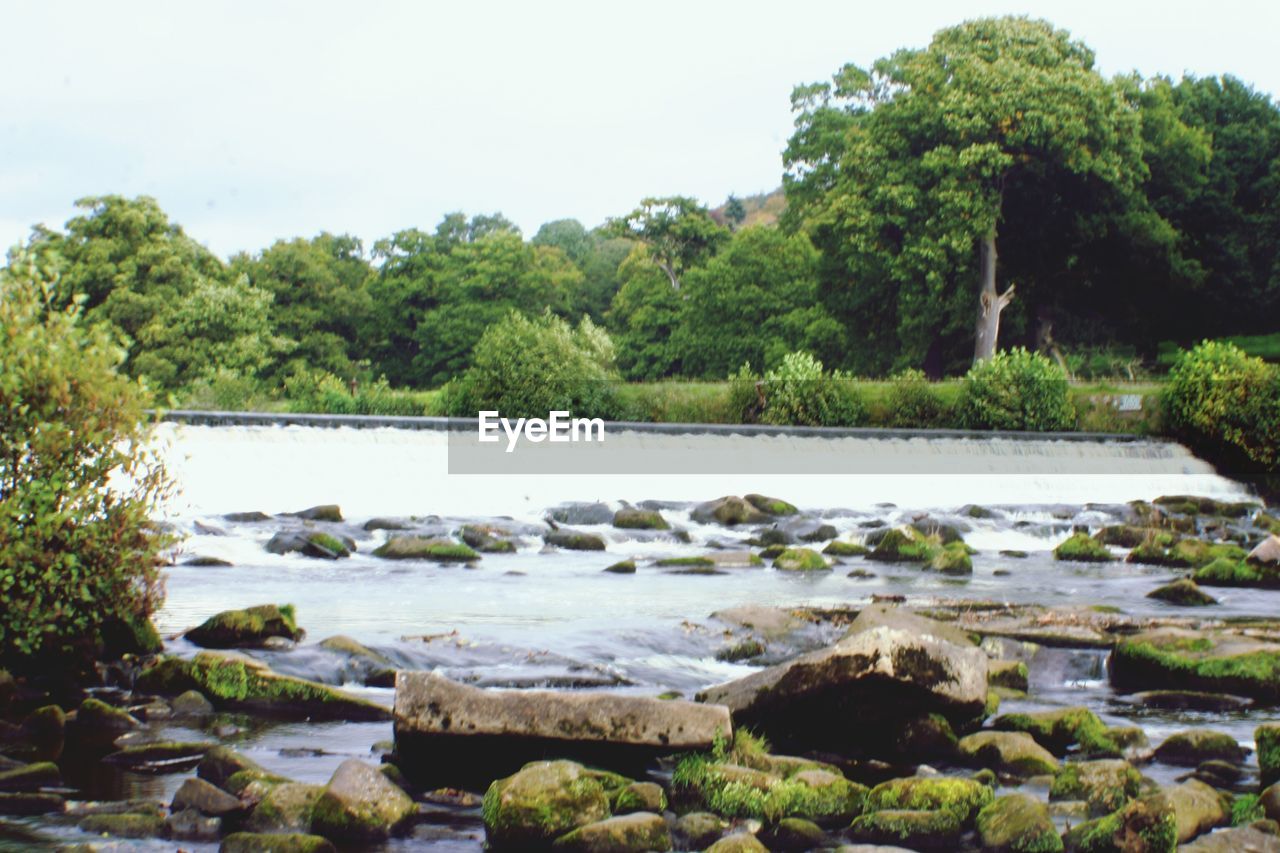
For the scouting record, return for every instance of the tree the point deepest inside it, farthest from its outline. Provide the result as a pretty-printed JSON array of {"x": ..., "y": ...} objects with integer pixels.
[
  {"x": 676, "y": 231},
  {"x": 904, "y": 170},
  {"x": 79, "y": 558}
]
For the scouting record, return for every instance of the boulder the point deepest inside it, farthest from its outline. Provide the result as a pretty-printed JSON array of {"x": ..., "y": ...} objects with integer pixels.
[
  {"x": 633, "y": 833},
  {"x": 728, "y": 511},
  {"x": 1106, "y": 785},
  {"x": 255, "y": 842},
  {"x": 888, "y": 665},
  {"x": 453, "y": 734},
  {"x": 1014, "y": 754},
  {"x": 360, "y": 805},
  {"x": 1189, "y": 748},
  {"x": 436, "y": 549},
  {"x": 1197, "y": 808},
  {"x": 1216, "y": 661},
  {"x": 246, "y": 628},
  {"x": 1017, "y": 823},
  {"x": 541, "y": 802}
]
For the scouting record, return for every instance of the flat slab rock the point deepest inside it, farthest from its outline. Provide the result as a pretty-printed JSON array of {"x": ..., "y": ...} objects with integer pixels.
[{"x": 450, "y": 733}]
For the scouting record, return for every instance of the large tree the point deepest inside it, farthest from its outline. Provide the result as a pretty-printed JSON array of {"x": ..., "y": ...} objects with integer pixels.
[{"x": 903, "y": 171}]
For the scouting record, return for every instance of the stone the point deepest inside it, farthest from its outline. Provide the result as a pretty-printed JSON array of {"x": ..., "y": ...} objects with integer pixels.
[
  {"x": 1184, "y": 593},
  {"x": 1197, "y": 808},
  {"x": 728, "y": 511},
  {"x": 1106, "y": 785},
  {"x": 1013, "y": 754},
  {"x": 360, "y": 805},
  {"x": 286, "y": 808},
  {"x": 246, "y": 628},
  {"x": 1017, "y": 823},
  {"x": 1216, "y": 661},
  {"x": 205, "y": 798},
  {"x": 436, "y": 549},
  {"x": 444, "y": 729},
  {"x": 541, "y": 802},
  {"x": 633, "y": 833},
  {"x": 254, "y": 842},
  {"x": 888, "y": 665},
  {"x": 1189, "y": 748}
]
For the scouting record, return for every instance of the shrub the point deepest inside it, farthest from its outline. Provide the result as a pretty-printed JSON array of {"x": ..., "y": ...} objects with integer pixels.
[
  {"x": 1016, "y": 390},
  {"x": 1227, "y": 404},
  {"x": 800, "y": 392},
  {"x": 78, "y": 559},
  {"x": 526, "y": 367},
  {"x": 913, "y": 402}
]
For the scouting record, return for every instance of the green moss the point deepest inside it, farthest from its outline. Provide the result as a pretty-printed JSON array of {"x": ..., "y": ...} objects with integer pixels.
[
  {"x": 836, "y": 548},
  {"x": 962, "y": 796},
  {"x": 1082, "y": 548},
  {"x": 1058, "y": 731},
  {"x": 1267, "y": 739},
  {"x": 801, "y": 560}
]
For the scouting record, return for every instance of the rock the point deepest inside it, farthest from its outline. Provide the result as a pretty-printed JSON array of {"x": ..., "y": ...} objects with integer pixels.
[
  {"x": 97, "y": 725},
  {"x": 700, "y": 829},
  {"x": 771, "y": 506},
  {"x": 254, "y": 842},
  {"x": 360, "y": 805},
  {"x": 1017, "y": 823},
  {"x": 1013, "y": 754},
  {"x": 124, "y": 825},
  {"x": 1197, "y": 808},
  {"x": 801, "y": 560},
  {"x": 623, "y": 567},
  {"x": 1012, "y": 674},
  {"x": 286, "y": 808},
  {"x": 1106, "y": 785},
  {"x": 1189, "y": 748},
  {"x": 728, "y": 511},
  {"x": 205, "y": 798},
  {"x": 422, "y": 548},
  {"x": 1082, "y": 548},
  {"x": 322, "y": 512},
  {"x": 639, "y": 832},
  {"x": 449, "y": 733},
  {"x": 583, "y": 513},
  {"x": 190, "y": 825},
  {"x": 246, "y": 628},
  {"x": 1267, "y": 553},
  {"x": 739, "y": 842},
  {"x": 1242, "y": 839},
  {"x": 574, "y": 540},
  {"x": 236, "y": 682},
  {"x": 917, "y": 830},
  {"x": 1218, "y": 661},
  {"x": 964, "y": 797},
  {"x": 629, "y": 518},
  {"x": 1267, "y": 739},
  {"x": 30, "y": 804},
  {"x": 889, "y": 664},
  {"x": 640, "y": 797},
  {"x": 1141, "y": 826},
  {"x": 31, "y": 777},
  {"x": 541, "y": 802},
  {"x": 1184, "y": 593},
  {"x": 1058, "y": 731}
]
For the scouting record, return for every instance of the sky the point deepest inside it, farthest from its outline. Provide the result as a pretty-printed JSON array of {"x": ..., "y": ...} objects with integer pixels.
[{"x": 257, "y": 121}]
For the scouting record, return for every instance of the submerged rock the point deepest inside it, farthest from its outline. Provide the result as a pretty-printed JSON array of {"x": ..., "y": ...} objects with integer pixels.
[
  {"x": 541, "y": 802},
  {"x": 449, "y": 733},
  {"x": 246, "y": 628}
]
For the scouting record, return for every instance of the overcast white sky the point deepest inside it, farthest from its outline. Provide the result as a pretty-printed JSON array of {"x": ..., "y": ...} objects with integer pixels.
[{"x": 253, "y": 121}]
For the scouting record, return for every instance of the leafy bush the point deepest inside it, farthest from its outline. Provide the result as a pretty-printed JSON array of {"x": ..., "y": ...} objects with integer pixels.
[
  {"x": 912, "y": 401},
  {"x": 78, "y": 559},
  {"x": 526, "y": 367},
  {"x": 1226, "y": 403},
  {"x": 1016, "y": 390}
]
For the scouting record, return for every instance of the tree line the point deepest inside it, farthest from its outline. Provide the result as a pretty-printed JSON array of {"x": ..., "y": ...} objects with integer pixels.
[{"x": 989, "y": 190}]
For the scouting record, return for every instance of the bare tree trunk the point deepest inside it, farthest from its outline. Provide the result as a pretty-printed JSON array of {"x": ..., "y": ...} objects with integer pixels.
[{"x": 990, "y": 303}]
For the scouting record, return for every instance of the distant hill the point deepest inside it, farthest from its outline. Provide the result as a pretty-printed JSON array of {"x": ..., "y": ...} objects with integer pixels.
[{"x": 761, "y": 208}]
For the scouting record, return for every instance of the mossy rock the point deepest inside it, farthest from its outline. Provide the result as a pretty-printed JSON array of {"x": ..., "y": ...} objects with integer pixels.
[
  {"x": 1082, "y": 548},
  {"x": 1060, "y": 730},
  {"x": 930, "y": 793},
  {"x": 772, "y": 506},
  {"x": 423, "y": 548},
  {"x": 801, "y": 560},
  {"x": 917, "y": 830},
  {"x": 1193, "y": 746},
  {"x": 903, "y": 546},
  {"x": 1139, "y": 826},
  {"x": 1183, "y": 593},
  {"x": 123, "y": 825},
  {"x": 1106, "y": 785},
  {"x": 540, "y": 803},
  {"x": 1011, "y": 674},
  {"x": 1017, "y": 823},
  {"x": 258, "y": 842},
  {"x": 633, "y": 833},
  {"x": 246, "y": 628},
  {"x": 1211, "y": 661},
  {"x": 1267, "y": 739},
  {"x": 1010, "y": 753},
  {"x": 953, "y": 559},
  {"x": 628, "y": 518},
  {"x": 836, "y": 548}
]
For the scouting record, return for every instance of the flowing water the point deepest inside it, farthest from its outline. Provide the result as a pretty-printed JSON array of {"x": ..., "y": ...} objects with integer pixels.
[{"x": 540, "y": 617}]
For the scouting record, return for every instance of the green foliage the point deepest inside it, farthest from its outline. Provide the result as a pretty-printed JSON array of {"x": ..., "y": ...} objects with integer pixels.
[
  {"x": 529, "y": 367},
  {"x": 1226, "y": 404},
  {"x": 76, "y": 550},
  {"x": 800, "y": 392},
  {"x": 913, "y": 402},
  {"x": 1016, "y": 390}
]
